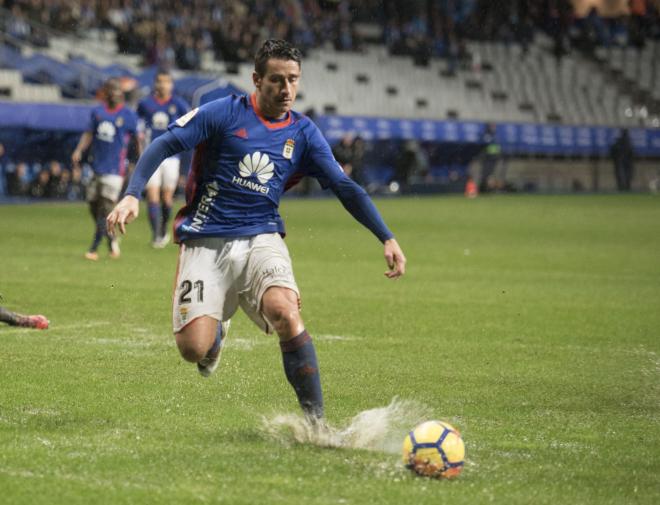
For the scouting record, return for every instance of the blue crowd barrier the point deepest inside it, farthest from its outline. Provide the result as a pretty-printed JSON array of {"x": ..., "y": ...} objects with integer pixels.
[
  {"x": 514, "y": 138},
  {"x": 459, "y": 136}
]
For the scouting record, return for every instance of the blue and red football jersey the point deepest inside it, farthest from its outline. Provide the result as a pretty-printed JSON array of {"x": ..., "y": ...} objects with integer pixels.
[
  {"x": 158, "y": 114},
  {"x": 111, "y": 129},
  {"x": 242, "y": 164}
]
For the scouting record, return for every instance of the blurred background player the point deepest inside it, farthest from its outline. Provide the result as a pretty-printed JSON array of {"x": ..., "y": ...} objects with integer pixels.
[
  {"x": 110, "y": 128},
  {"x": 38, "y": 322},
  {"x": 157, "y": 111}
]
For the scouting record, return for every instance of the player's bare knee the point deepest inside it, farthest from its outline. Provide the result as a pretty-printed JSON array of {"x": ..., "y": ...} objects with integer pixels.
[
  {"x": 168, "y": 198},
  {"x": 153, "y": 194},
  {"x": 191, "y": 354},
  {"x": 281, "y": 308},
  {"x": 285, "y": 320},
  {"x": 190, "y": 348},
  {"x": 196, "y": 338}
]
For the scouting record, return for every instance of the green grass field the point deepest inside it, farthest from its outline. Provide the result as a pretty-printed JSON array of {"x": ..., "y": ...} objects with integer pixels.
[{"x": 531, "y": 323}]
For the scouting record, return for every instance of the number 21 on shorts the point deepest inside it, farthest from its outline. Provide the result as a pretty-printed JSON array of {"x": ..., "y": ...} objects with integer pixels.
[{"x": 187, "y": 287}]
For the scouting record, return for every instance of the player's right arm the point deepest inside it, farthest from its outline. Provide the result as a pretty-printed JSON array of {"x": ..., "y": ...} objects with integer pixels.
[
  {"x": 83, "y": 144},
  {"x": 185, "y": 133},
  {"x": 128, "y": 207}
]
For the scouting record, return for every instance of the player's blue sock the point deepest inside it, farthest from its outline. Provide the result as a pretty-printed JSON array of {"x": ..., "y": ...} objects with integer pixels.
[
  {"x": 216, "y": 343},
  {"x": 302, "y": 371},
  {"x": 99, "y": 234},
  {"x": 154, "y": 219},
  {"x": 166, "y": 212}
]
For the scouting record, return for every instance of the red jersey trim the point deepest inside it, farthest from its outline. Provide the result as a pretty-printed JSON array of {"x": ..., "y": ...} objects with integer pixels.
[
  {"x": 271, "y": 125},
  {"x": 113, "y": 111},
  {"x": 162, "y": 102}
]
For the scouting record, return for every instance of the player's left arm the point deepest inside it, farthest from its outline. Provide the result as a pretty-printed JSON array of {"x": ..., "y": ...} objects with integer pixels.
[
  {"x": 83, "y": 144},
  {"x": 354, "y": 199},
  {"x": 85, "y": 140}
]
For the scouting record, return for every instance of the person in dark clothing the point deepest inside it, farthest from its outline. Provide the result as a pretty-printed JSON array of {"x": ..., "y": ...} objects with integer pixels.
[
  {"x": 358, "y": 148},
  {"x": 349, "y": 153},
  {"x": 622, "y": 155},
  {"x": 343, "y": 153},
  {"x": 61, "y": 189},
  {"x": 411, "y": 166},
  {"x": 490, "y": 159},
  {"x": 53, "y": 187},
  {"x": 17, "y": 181},
  {"x": 39, "y": 187},
  {"x": 76, "y": 190}
]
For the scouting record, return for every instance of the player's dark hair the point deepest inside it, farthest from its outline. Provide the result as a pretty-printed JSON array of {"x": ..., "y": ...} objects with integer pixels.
[
  {"x": 162, "y": 71},
  {"x": 278, "y": 49}
]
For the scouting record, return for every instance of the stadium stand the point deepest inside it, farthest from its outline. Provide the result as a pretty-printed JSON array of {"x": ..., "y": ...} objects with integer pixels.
[
  {"x": 533, "y": 89},
  {"x": 497, "y": 80},
  {"x": 557, "y": 84}
]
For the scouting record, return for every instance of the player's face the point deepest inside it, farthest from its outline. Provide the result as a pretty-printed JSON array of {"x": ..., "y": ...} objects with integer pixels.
[
  {"x": 114, "y": 94},
  {"x": 163, "y": 85},
  {"x": 278, "y": 87}
]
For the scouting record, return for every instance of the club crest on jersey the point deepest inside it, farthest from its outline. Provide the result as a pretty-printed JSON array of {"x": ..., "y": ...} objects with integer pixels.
[
  {"x": 288, "y": 148},
  {"x": 172, "y": 110},
  {"x": 256, "y": 165},
  {"x": 119, "y": 122}
]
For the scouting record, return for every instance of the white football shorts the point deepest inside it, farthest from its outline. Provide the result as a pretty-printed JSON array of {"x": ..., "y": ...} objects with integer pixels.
[
  {"x": 166, "y": 175},
  {"x": 216, "y": 275},
  {"x": 105, "y": 186}
]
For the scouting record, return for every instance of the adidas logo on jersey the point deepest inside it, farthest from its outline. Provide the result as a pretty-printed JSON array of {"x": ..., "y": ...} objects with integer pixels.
[
  {"x": 256, "y": 165},
  {"x": 242, "y": 133}
]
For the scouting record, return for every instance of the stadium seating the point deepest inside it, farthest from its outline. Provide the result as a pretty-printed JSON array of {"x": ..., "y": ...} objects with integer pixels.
[
  {"x": 12, "y": 87},
  {"x": 494, "y": 82},
  {"x": 501, "y": 84}
]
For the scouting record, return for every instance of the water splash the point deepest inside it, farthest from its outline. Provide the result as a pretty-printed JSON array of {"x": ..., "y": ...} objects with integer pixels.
[{"x": 381, "y": 429}]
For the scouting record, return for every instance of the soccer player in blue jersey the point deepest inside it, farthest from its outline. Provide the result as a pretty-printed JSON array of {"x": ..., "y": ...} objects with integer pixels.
[
  {"x": 157, "y": 111},
  {"x": 110, "y": 128},
  {"x": 248, "y": 150}
]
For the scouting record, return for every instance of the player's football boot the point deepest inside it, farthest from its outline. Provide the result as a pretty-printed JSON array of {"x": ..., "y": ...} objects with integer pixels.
[
  {"x": 92, "y": 255},
  {"x": 209, "y": 363},
  {"x": 115, "y": 252},
  {"x": 38, "y": 322},
  {"x": 161, "y": 242}
]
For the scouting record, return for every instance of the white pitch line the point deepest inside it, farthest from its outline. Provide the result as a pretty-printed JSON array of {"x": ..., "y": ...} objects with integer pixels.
[{"x": 335, "y": 338}]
